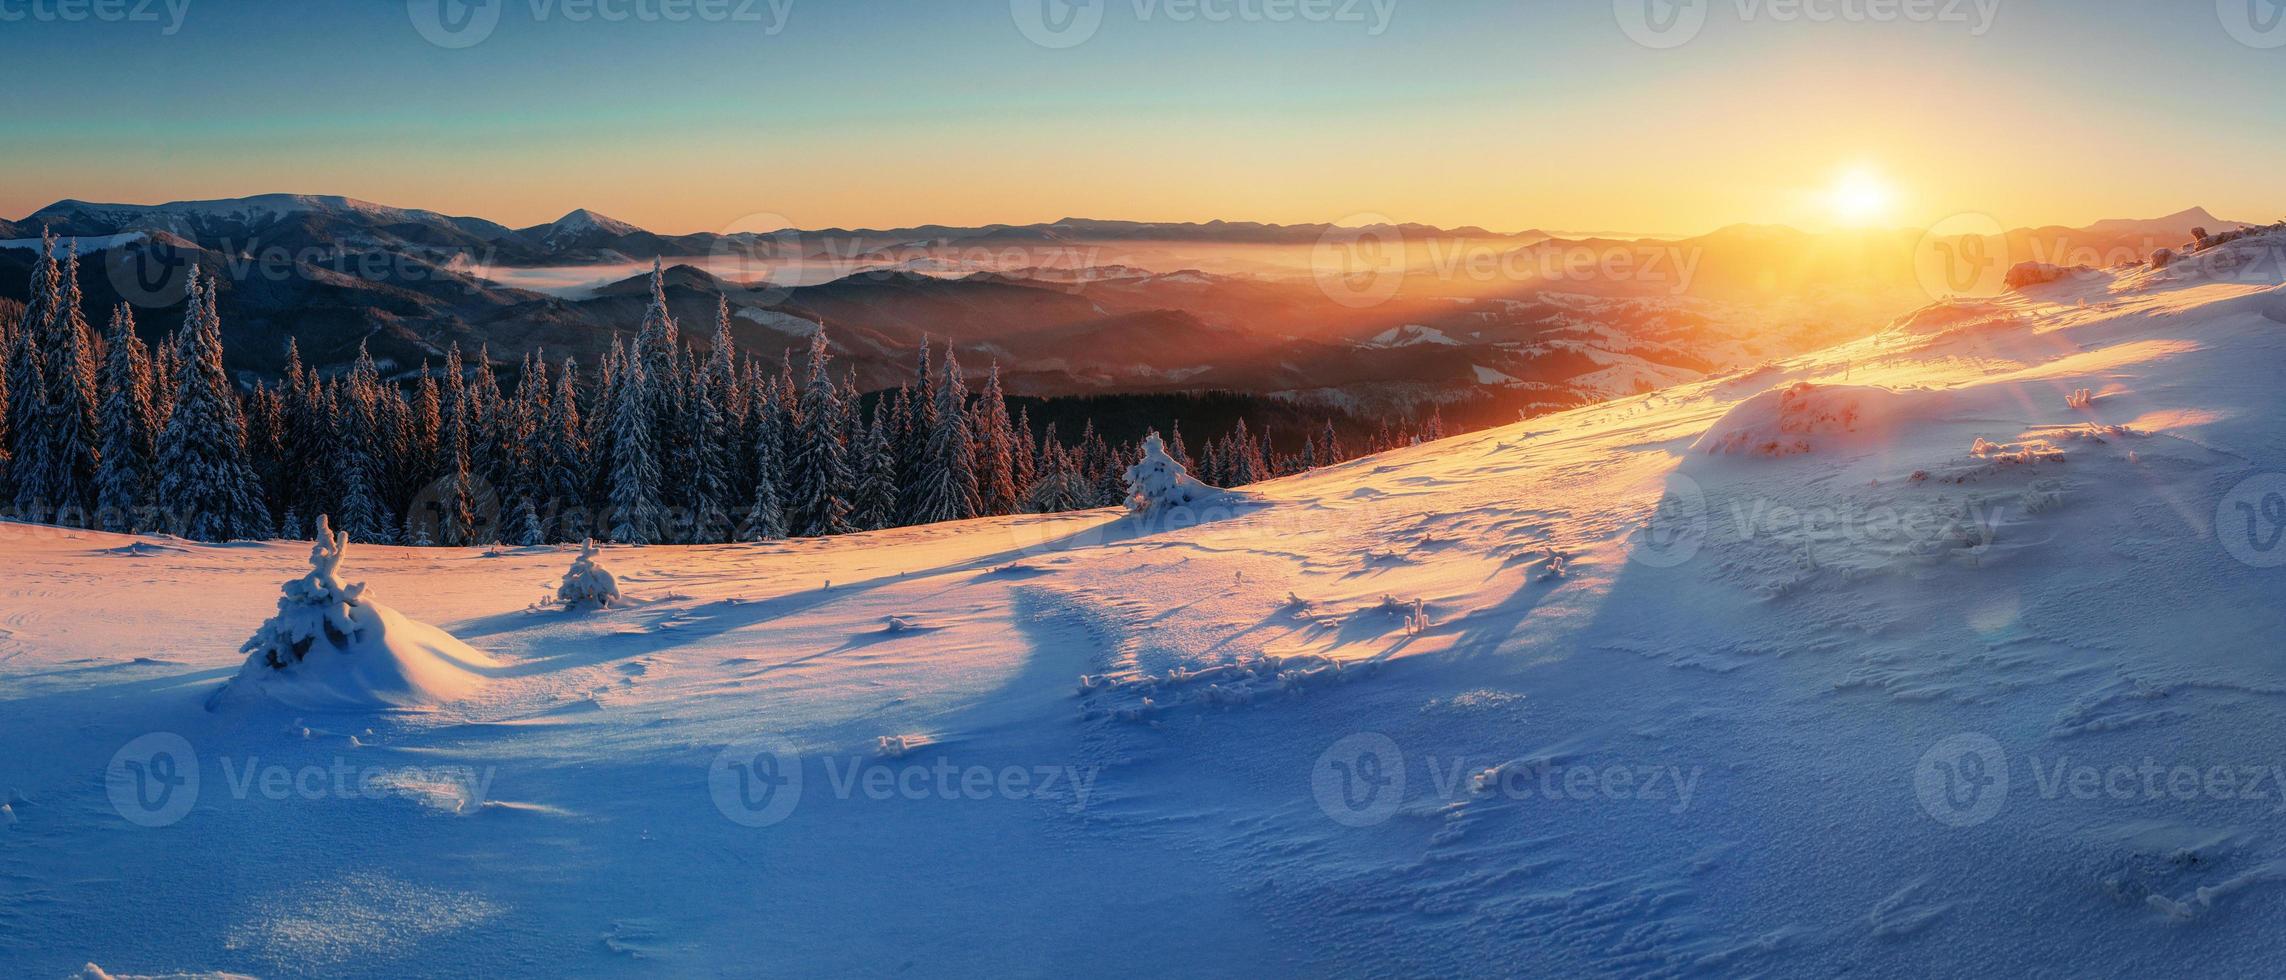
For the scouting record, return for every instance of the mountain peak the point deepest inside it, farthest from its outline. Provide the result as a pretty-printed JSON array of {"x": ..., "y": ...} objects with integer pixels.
[{"x": 582, "y": 219}]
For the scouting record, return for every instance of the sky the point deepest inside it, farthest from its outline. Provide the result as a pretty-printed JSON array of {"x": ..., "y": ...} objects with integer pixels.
[{"x": 715, "y": 115}]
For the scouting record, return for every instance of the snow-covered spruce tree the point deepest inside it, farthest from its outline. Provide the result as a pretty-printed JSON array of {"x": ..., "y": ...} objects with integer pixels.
[
  {"x": 205, "y": 480},
  {"x": 995, "y": 450},
  {"x": 819, "y": 467},
  {"x": 124, "y": 481},
  {"x": 948, "y": 481},
  {"x": 634, "y": 471},
  {"x": 28, "y": 387},
  {"x": 913, "y": 444},
  {"x": 1157, "y": 485},
  {"x": 876, "y": 503},
  {"x": 563, "y": 459},
  {"x": 588, "y": 583},
  {"x": 1060, "y": 486},
  {"x": 356, "y": 449},
  {"x": 706, "y": 490},
  {"x": 1021, "y": 456},
  {"x": 315, "y": 607},
  {"x": 57, "y": 478},
  {"x": 456, "y": 490},
  {"x": 658, "y": 346},
  {"x": 10, "y": 316},
  {"x": 766, "y": 511}
]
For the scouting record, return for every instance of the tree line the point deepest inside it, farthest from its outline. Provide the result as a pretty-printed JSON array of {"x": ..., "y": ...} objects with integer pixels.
[{"x": 661, "y": 442}]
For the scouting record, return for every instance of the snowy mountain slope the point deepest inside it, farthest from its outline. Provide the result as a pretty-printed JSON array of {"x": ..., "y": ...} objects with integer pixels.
[{"x": 1850, "y": 692}]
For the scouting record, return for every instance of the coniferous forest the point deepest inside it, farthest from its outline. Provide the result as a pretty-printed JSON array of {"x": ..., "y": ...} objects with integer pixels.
[{"x": 669, "y": 439}]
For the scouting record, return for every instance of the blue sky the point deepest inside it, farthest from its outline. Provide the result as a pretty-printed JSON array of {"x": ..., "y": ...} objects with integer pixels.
[{"x": 1507, "y": 114}]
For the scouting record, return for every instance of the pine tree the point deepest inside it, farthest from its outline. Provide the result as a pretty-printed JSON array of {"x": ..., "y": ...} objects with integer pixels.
[
  {"x": 457, "y": 522},
  {"x": 705, "y": 442},
  {"x": 914, "y": 441},
  {"x": 563, "y": 459},
  {"x": 819, "y": 467},
  {"x": 766, "y": 513},
  {"x": 948, "y": 483},
  {"x": 124, "y": 482},
  {"x": 634, "y": 479},
  {"x": 54, "y": 431},
  {"x": 28, "y": 389},
  {"x": 356, "y": 448},
  {"x": 1022, "y": 458},
  {"x": 995, "y": 452},
  {"x": 204, "y": 475},
  {"x": 876, "y": 503}
]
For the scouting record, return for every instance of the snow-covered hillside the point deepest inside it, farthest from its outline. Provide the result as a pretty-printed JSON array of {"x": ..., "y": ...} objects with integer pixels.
[{"x": 1907, "y": 658}]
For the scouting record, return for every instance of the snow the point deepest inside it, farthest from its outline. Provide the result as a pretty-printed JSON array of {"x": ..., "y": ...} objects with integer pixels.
[
  {"x": 88, "y": 245},
  {"x": 1409, "y": 335},
  {"x": 331, "y": 648},
  {"x": 1360, "y": 725},
  {"x": 587, "y": 583}
]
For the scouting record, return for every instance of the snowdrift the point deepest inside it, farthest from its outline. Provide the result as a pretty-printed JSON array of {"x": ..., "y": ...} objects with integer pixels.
[
  {"x": 331, "y": 648},
  {"x": 1804, "y": 417}
]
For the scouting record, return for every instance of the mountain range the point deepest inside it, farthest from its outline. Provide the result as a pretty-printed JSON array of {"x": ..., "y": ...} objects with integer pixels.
[{"x": 1372, "y": 319}]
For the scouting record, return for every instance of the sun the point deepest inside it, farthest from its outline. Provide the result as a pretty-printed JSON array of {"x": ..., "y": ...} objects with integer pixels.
[{"x": 1860, "y": 197}]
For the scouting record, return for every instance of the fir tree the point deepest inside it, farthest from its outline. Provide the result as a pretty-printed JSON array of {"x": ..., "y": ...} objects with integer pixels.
[
  {"x": 995, "y": 450},
  {"x": 69, "y": 424},
  {"x": 124, "y": 482},
  {"x": 913, "y": 447},
  {"x": 456, "y": 493},
  {"x": 705, "y": 442},
  {"x": 948, "y": 481},
  {"x": 634, "y": 479},
  {"x": 28, "y": 388},
  {"x": 819, "y": 467},
  {"x": 204, "y": 475},
  {"x": 562, "y": 458},
  {"x": 876, "y": 503},
  {"x": 766, "y": 513}
]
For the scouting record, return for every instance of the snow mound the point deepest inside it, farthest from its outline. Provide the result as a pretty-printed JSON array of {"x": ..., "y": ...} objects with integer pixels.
[
  {"x": 1157, "y": 484},
  {"x": 332, "y": 648},
  {"x": 1805, "y": 417},
  {"x": 588, "y": 584},
  {"x": 1950, "y": 314}
]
